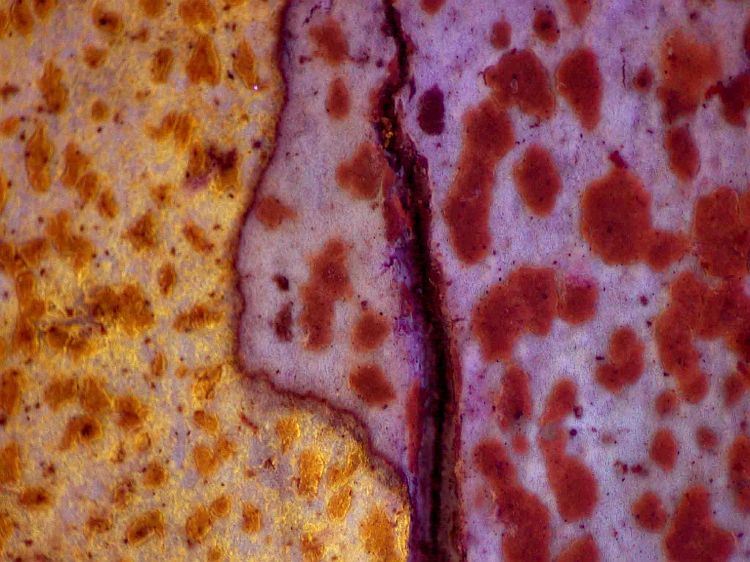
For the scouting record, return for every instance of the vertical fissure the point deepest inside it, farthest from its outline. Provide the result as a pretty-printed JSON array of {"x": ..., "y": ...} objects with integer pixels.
[{"x": 435, "y": 530}]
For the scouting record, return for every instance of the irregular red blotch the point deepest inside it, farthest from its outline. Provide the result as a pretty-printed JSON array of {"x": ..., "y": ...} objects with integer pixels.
[
  {"x": 431, "y": 116},
  {"x": 666, "y": 403},
  {"x": 615, "y": 217},
  {"x": 338, "y": 102},
  {"x": 526, "y": 302},
  {"x": 527, "y": 526},
  {"x": 370, "y": 331},
  {"x": 371, "y": 385},
  {"x": 574, "y": 486},
  {"x": 644, "y": 79},
  {"x": 432, "y": 6},
  {"x": 734, "y": 388},
  {"x": 578, "y": 10},
  {"x": 693, "y": 534},
  {"x": 664, "y": 450},
  {"x": 413, "y": 413},
  {"x": 684, "y": 158},
  {"x": 519, "y": 78},
  {"x": 746, "y": 38},
  {"x": 616, "y": 158},
  {"x": 688, "y": 68},
  {"x": 581, "y": 550},
  {"x": 488, "y": 136},
  {"x": 514, "y": 399},
  {"x": 500, "y": 35},
  {"x": 649, "y": 512},
  {"x": 734, "y": 97},
  {"x": 545, "y": 25},
  {"x": 578, "y": 300},
  {"x": 366, "y": 173},
  {"x": 723, "y": 240},
  {"x": 739, "y": 472},
  {"x": 271, "y": 212},
  {"x": 580, "y": 83},
  {"x": 537, "y": 180},
  {"x": 328, "y": 283},
  {"x": 665, "y": 248},
  {"x": 625, "y": 361},
  {"x": 706, "y": 438},
  {"x": 330, "y": 41}
]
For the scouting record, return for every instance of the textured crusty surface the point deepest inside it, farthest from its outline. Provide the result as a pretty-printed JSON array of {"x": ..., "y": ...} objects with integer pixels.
[
  {"x": 329, "y": 310},
  {"x": 132, "y": 136},
  {"x": 605, "y": 433}
]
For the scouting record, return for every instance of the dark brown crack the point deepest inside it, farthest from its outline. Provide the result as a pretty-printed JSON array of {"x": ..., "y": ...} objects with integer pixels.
[{"x": 434, "y": 523}]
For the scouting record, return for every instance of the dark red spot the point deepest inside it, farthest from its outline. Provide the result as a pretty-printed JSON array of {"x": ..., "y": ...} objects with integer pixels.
[
  {"x": 282, "y": 324},
  {"x": 432, "y": 6},
  {"x": 500, "y": 35},
  {"x": 366, "y": 173},
  {"x": 337, "y": 100},
  {"x": 649, "y": 512},
  {"x": 644, "y": 79},
  {"x": 615, "y": 218},
  {"x": 431, "y": 116},
  {"x": 688, "y": 68},
  {"x": 664, "y": 450},
  {"x": 330, "y": 41},
  {"x": 578, "y": 301},
  {"x": 739, "y": 472},
  {"x": 706, "y": 438},
  {"x": 527, "y": 533},
  {"x": 684, "y": 158},
  {"x": 537, "y": 180},
  {"x": 526, "y": 302},
  {"x": 370, "y": 331},
  {"x": 573, "y": 484},
  {"x": 693, "y": 534},
  {"x": 580, "y": 83},
  {"x": 371, "y": 385},
  {"x": 666, "y": 403},
  {"x": 488, "y": 136},
  {"x": 581, "y": 550},
  {"x": 616, "y": 158},
  {"x": 514, "y": 399},
  {"x": 281, "y": 282},
  {"x": 519, "y": 78},
  {"x": 625, "y": 361},
  {"x": 723, "y": 241},
  {"x": 578, "y": 10},
  {"x": 734, "y": 97},
  {"x": 545, "y": 26},
  {"x": 328, "y": 283}
]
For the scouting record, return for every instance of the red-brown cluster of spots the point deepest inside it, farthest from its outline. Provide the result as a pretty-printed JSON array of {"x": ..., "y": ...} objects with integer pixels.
[
  {"x": 519, "y": 78},
  {"x": 527, "y": 521},
  {"x": 368, "y": 381},
  {"x": 573, "y": 484},
  {"x": 616, "y": 222},
  {"x": 328, "y": 283},
  {"x": 697, "y": 310},
  {"x": 545, "y": 25},
  {"x": 693, "y": 535},
  {"x": 580, "y": 550},
  {"x": 330, "y": 41},
  {"x": 664, "y": 449},
  {"x": 649, "y": 512},
  {"x": 578, "y": 10},
  {"x": 366, "y": 174},
  {"x": 644, "y": 79},
  {"x": 488, "y": 136},
  {"x": 625, "y": 361},
  {"x": 527, "y": 302},
  {"x": 537, "y": 180},
  {"x": 580, "y": 83},
  {"x": 431, "y": 116},
  {"x": 739, "y": 472},
  {"x": 338, "y": 102},
  {"x": 500, "y": 35}
]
